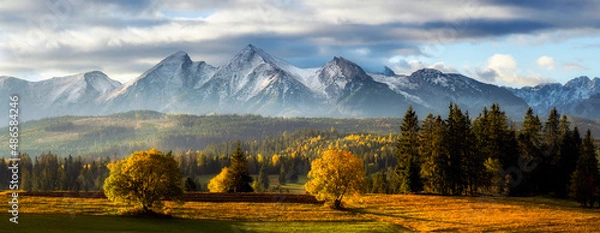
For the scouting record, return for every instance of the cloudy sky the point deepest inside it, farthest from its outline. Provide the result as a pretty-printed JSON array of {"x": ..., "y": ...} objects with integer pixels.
[{"x": 513, "y": 43}]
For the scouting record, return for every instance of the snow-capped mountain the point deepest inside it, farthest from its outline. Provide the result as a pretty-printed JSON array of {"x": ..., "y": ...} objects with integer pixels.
[
  {"x": 255, "y": 82},
  {"x": 75, "y": 94},
  {"x": 589, "y": 107},
  {"x": 566, "y": 98},
  {"x": 355, "y": 93},
  {"x": 434, "y": 90},
  {"x": 169, "y": 86}
]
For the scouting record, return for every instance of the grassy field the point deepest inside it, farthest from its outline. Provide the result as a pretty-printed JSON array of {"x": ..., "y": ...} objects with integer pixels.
[
  {"x": 297, "y": 188},
  {"x": 370, "y": 213}
]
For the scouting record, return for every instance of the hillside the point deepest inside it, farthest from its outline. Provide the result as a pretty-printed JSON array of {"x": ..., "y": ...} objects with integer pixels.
[{"x": 139, "y": 130}]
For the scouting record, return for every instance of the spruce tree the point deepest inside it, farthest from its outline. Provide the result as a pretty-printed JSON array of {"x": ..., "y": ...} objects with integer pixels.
[
  {"x": 585, "y": 180},
  {"x": 434, "y": 156},
  {"x": 189, "y": 185},
  {"x": 530, "y": 152},
  {"x": 262, "y": 182},
  {"x": 407, "y": 153},
  {"x": 238, "y": 171},
  {"x": 380, "y": 183},
  {"x": 282, "y": 175},
  {"x": 460, "y": 151},
  {"x": 567, "y": 158},
  {"x": 549, "y": 165}
]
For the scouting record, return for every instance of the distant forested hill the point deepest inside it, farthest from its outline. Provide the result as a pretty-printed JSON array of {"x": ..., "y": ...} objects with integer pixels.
[
  {"x": 120, "y": 134},
  {"x": 139, "y": 130}
]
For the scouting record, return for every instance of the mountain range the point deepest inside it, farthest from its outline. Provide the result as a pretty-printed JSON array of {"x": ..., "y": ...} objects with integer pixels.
[{"x": 255, "y": 82}]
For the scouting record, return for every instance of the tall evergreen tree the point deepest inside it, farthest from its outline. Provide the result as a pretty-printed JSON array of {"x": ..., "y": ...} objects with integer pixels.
[
  {"x": 460, "y": 150},
  {"x": 585, "y": 181},
  {"x": 26, "y": 175},
  {"x": 4, "y": 174},
  {"x": 238, "y": 171},
  {"x": 495, "y": 143},
  {"x": 549, "y": 165},
  {"x": 567, "y": 158},
  {"x": 407, "y": 153},
  {"x": 282, "y": 175},
  {"x": 189, "y": 185},
  {"x": 380, "y": 183},
  {"x": 434, "y": 155},
  {"x": 262, "y": 181},
  {"x": 530, "y": 152}
]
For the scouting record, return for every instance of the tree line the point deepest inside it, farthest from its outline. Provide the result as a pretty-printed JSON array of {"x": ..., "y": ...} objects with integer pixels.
[
  {"x": 50, "y": 172},
  {"x": 489, "y": 155},
  {"x": 455, "y": 155}
]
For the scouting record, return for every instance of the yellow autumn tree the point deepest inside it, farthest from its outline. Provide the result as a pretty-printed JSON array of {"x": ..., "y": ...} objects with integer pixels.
[
  {"x": 220, "y": 183},
  {"x": 336, "y": 174},
  {"x": 144, "y": 178}
]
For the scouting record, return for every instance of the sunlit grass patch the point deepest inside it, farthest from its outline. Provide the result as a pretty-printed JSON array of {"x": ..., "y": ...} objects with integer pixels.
[{"x": 384, "y": 213}]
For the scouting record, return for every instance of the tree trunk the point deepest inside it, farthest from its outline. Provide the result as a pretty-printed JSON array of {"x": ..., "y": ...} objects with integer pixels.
[{"x": 337, "y": 204}]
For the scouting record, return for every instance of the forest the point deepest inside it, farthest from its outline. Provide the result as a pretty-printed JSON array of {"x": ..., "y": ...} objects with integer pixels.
[{"x": 452, "y": 155}]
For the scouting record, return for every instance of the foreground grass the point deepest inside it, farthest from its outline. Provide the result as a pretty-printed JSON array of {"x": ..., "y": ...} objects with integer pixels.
[
  {"x": 60, "y": 223},
  {"x": 372, "y": 213}
]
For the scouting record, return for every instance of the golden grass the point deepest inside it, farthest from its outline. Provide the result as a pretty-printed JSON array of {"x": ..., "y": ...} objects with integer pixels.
[
  {"x": 415, "y": 212},
  {"x": 435, "y": 213}
]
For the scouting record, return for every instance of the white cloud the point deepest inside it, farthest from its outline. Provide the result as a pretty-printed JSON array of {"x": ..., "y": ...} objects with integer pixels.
[
  {"x": 572, "y": 66},
  {"x": 502, "y": 69},
  {"x": 407, "y": 67},
  {"x": 545, "y": 62},
  {"x": 114, "y": 32},
  {"x": 362, "y": 51}
]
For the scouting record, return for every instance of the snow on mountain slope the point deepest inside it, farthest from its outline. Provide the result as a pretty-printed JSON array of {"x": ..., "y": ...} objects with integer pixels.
[
  {"x": 70, "y": 95},
  {"x": 79, "y": 88},
  {"x": 255, "y": 82},
  {"x": 400, "y": 83},
  {"x": 331, "y": 79},
  {"x": 438, "y": 89},
  {"x": 542, "y": 98},
  {"x": 168, "y": 86}
]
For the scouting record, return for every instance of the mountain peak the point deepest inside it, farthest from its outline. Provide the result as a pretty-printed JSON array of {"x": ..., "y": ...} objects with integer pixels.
[
  {"x": 344, "y": 63},
  {"x": 578, "y": 82},
  {"x": 428, "y": 71},
  {"x": 345, "y": 68},
  {"x": 251, "y": 52},
  {"x": 95, "y": 75},
  {"x": 388, "y": 72},
  {"x": 341, "y": 60},
  {"x": 179, "y": 56}
]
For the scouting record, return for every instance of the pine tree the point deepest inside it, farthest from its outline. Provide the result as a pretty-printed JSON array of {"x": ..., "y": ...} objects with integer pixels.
[
  {"x": 380, "y": 183},
  {"x": 407, "y": 153},
  {"x": 460, "y": 151},
  {"x": 434, "y": 156},
  {"x": 189, "y": 185},
  {"x": 530, "y": 152},
  {"x": 282, "y": 175},
  {"x": 548, "y": 165},
  {"x": 4, "y": 174},
  {"x": 567, "y": 158},
  {"x": 238, "y": 171},
  {"x": 585, "y": 180},
  {"x": 262, "y": 181}
]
